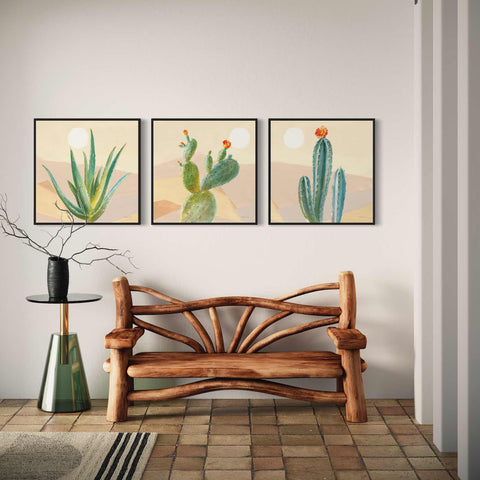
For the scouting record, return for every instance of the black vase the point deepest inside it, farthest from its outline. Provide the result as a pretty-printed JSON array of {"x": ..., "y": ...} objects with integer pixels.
[{"x": 57, "y": 277}]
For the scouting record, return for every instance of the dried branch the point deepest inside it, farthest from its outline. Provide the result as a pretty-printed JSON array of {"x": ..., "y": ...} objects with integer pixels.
[
  {"x": 111, "y": 258},
  {"x": 62, "y": 236}
]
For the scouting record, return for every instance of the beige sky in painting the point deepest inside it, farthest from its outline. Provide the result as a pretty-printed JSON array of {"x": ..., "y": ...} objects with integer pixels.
[
  {"x": 352, "y": 143},
  {"x": 209, "y": 135},
  {"x": 52, "y": 141}
]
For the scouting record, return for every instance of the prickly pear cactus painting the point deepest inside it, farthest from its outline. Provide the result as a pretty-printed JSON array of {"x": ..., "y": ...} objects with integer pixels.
[
  {"x": 214, "y": 183},
  {"x": 200, "y": 206},
  {"x": 88, "y": 169},
  {"x": 321, "y": 171}
]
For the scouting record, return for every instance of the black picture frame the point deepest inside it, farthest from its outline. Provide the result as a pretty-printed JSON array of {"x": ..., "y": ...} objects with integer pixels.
[
  {"x": 152, "y": 179},
  {"x": 92, "y": 119},
  {"x": 270, "y": 120}
]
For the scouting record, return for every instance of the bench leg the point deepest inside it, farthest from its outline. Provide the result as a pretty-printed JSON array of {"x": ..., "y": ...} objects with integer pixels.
[
  {"x": 353, "y": 385},
  {"x": 117, "y": 410}
]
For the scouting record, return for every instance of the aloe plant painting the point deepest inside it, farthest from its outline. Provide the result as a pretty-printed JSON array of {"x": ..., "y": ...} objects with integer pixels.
[
  {"x": 312, "y": 197},
  {"x": 201, "y": 206},
  {"x": 91, "y": 191}
]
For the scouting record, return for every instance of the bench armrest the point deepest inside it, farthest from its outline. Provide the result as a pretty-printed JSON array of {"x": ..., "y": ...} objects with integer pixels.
[
  {"x": 347, "y": 338},
  {"x": 120, "y": 338}
]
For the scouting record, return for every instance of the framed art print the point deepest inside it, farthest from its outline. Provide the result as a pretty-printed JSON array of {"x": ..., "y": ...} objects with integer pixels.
[
  {"x": 204, "y": 171},
  {"x": 88, "y": 170},
  {"x": 322, "y": 171}
]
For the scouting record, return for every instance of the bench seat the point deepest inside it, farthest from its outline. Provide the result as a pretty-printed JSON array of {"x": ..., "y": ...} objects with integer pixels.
[{"x": 234, "y": 365}]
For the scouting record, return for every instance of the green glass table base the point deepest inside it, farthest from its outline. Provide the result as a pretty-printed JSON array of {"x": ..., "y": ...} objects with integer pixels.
[{"x": 64, "y": 386}]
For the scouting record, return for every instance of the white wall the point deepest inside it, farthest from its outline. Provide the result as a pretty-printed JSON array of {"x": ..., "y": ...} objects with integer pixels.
[{"x": 213, "y": 59}]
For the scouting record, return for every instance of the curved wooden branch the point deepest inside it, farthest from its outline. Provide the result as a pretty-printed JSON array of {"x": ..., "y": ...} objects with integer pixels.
[
  {"x": 273, "y": 388},
  {"x": 178, "y": 337},
  {"x": 233, "y": 301},
  {"x": 249, "y": 310},
  {"x": 242, "y": 323},
  {"x": 199, "y": 328},
  {"x": 313, "y": 288},
  {"x": 260, "y": 328},
  {"x": 291, "y": 331},
  {"x": 217, "y": 330}
]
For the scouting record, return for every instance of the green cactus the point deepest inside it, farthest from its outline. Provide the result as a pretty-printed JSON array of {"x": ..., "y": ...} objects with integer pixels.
[
  {"x": 312, "y": 203},
  {"x": 90, "y": 192},
  {"x": 209, "y": 162},
  {"x": 221, "y": 173},
  {"x": 191, "y": 177},
  {"x": 201, "y": 206},
  {"x": 338, "y": 195}
]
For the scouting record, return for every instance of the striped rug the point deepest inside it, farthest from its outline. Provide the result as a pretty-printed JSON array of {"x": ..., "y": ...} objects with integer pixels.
[{"x": 74, "y": 456}]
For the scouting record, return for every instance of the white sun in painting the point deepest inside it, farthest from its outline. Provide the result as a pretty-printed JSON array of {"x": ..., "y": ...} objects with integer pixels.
[
  {"x": 293, "y": 138},
  {"x": 239, "y": 137},
  {"x": 78, "y": 137}
]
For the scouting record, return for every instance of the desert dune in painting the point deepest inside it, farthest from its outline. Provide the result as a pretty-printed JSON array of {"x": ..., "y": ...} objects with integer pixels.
[
  {"x": 235, "y": 200},
  {"x": 123, "y": 207},
  {"x": 285, "y": 207}
]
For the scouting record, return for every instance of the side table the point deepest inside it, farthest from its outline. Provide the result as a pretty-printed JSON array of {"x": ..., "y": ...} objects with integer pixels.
[{"x": 64, "y": 385}]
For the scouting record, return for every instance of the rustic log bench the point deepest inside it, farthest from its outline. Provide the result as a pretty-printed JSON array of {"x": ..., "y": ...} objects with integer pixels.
[{"x": 239, "y": 366}]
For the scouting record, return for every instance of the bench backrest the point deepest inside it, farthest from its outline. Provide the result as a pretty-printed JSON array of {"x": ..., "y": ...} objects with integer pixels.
[{"x": 344, "y": 314}]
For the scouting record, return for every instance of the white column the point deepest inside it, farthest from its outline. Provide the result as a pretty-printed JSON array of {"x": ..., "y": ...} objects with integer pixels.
[
  {"x": 445, "y": 224},
  {"x": 423, "y": 140},
  {"x": 469, "y": 240}
]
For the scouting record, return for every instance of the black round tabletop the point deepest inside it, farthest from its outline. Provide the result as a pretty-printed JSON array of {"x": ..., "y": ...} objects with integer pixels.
[{"x": 71, "y": 298}]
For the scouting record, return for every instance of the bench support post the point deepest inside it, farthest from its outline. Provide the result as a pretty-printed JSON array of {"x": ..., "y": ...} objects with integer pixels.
[
  {"x": 117, "y": 410},
  {"x": 356, "y": 407}
]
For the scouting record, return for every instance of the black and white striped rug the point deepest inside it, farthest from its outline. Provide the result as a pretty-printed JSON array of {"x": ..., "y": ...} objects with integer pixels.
[{"x": 74, "y": 456}]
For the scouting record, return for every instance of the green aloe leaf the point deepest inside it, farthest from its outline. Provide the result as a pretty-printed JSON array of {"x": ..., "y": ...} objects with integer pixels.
[
  {"x": 96, "y": 182},
  {"x": 91, "y": 167},
  {"x": 85, "y": 168},
  {"x": 80, "y": 185},
  {"x": 75, "y": 193},
  {"x": 98, "y": 212},
  {"x": 105, "y": 168},
  {"x": 72, "y": 188},
  {"x": 71, "y": 207},
  {"x": 105, "y": 180}
]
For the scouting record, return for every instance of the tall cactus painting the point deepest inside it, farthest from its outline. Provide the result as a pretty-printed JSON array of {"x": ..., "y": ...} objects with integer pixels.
[
  {"x": 321, "y": 171},
  {"x": 312, "y": 203},
  {"x": 216, "y": 181},
  {"x": 89, "y": 169}
]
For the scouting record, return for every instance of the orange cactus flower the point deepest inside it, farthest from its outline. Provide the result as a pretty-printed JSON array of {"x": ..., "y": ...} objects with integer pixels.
[
  {"x": 181, "y": 144},
  {"x": 321, "y": 132},
  {"x": 227, "y": 144},
  {"x": 185, "y": 132}
]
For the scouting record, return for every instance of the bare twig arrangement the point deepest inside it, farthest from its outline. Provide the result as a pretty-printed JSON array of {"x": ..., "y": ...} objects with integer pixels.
[{"x": 58, "y": 241}]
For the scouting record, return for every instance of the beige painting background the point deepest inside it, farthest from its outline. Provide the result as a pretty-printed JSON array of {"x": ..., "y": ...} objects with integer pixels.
[
  {"x": 53, "y": 150},
  {"x": 352, "y": 147},
  {"x": 235, "y": 200}
]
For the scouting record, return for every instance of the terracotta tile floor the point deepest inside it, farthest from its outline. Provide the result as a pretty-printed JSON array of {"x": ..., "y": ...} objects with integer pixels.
[{"x": 261, "y": 439}]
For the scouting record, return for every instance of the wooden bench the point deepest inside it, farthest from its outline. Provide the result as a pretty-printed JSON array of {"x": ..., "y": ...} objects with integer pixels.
[{"x": 239, "y": 366}]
